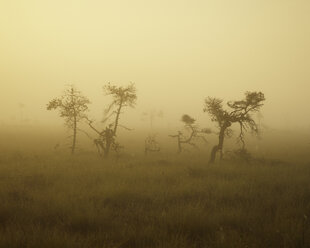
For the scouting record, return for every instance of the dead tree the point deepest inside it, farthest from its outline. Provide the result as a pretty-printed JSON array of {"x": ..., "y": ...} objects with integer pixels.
[
  {"x": 194, "y": 133},
  {"x": 240, "y": 112},
  {"x": 151, "y": 144},
  {"x": 72, "y": 107}
]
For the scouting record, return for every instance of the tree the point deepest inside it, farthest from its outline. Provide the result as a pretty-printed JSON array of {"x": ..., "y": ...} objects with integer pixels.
[
  {"x": 72, "y": 106},
  {"x": 152, "y": 115},
  {"x": 123, "y": 96},
  {"x": 240, "y": 112},
  {"x": 194, "y": 133}
]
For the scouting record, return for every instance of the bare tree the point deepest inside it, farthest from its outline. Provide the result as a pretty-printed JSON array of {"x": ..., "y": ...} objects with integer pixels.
[
  {"x": 240, "y": 112},
  {"x": 72, "y": 106},
  {"x": 194, "y": 133},
  {"x": 122, "y": 97}
]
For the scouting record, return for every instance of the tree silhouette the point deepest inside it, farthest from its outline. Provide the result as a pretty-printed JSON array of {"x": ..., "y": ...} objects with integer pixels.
[
  {"x": 194, "y": 133},
  {"x": 152, "y": 115},
  {"x": 122, "y": 96},
  {"x": 72, "y": 106},
  {"x": 240, "y": 112}
]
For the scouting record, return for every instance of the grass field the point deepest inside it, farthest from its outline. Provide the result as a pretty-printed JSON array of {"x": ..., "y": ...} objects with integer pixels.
[{"x": 62, "y": 201}]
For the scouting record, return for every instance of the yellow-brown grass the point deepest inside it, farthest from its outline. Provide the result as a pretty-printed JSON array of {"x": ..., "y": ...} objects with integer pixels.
[{"x": 83, "y": 201}]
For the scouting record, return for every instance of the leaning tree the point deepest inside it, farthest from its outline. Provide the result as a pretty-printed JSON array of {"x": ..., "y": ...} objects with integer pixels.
[
  {"x": 193, "y": 133},
  {"x": 239, "y": 112},
  {"x": 122, "y": 97},
  {"x": 72, "y": 106}
]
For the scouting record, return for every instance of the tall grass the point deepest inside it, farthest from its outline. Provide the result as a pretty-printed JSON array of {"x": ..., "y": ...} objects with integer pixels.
[{"x": 61, "y": 201}]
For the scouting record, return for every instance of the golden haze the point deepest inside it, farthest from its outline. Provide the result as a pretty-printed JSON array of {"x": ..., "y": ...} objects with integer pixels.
[{"x": 177, "y": 52}]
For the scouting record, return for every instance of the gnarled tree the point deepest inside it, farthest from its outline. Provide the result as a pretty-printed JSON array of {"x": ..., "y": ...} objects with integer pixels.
[
  {"x": 72, "y": 107},
  {"x": 194, "y": 133},
  {"x": 122, "y": 97},
  {"x": 239, "y": 112}
]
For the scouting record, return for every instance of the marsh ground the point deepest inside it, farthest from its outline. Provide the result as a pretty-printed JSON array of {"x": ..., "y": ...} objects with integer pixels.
[{"x": 54, "y": 200}]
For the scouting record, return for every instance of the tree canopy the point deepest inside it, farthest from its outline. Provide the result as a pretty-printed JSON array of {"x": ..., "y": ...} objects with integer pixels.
[{"x": 238, "y": 112}]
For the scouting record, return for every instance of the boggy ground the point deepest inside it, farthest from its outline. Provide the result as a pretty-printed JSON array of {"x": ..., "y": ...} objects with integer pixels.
[{"x": 60, "y": 201}]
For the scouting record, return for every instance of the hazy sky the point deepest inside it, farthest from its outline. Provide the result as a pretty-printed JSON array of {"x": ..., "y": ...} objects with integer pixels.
[{"x": 176, "y": 51}]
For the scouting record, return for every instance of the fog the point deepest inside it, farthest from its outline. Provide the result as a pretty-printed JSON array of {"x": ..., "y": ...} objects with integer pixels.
[
  {"x": 176, "y": 52},
  {"x": 163, "y": 173}
]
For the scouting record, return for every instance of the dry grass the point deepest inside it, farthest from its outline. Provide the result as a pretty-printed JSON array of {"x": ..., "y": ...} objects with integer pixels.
[{"x": 60, "y": 201}]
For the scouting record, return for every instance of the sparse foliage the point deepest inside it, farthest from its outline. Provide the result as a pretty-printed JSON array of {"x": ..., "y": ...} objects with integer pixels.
[
  {"x": 194, "y": 133},
  {"x": 72, "y": 106},
  {"x": 239, "y": 112},
  {"x": 123, "y": 96}
]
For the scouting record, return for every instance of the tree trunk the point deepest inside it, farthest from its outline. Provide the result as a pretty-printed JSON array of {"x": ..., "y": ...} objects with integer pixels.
[
  {"x": 109, "y": 135},
  {"x": 74, "y": 135},
  {"x": 213, "y": 154},
  {"x": 219, "y": 146},
  {"x": 107, "y": 149},
  {"x": 117, "y": 116}
]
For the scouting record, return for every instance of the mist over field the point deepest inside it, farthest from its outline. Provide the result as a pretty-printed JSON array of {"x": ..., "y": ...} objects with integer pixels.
[{"x": 154, "y": 123}]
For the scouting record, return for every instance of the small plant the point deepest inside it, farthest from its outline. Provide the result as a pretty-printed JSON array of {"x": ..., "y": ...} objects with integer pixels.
[{"x": 151, "y": 145}]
